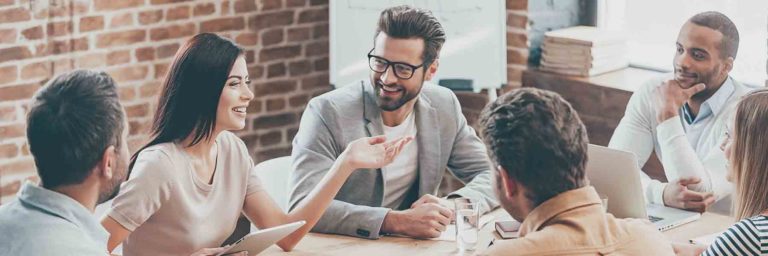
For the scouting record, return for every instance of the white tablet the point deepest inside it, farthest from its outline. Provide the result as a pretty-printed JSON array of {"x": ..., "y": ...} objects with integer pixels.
[{"x": 257, "y": 241}]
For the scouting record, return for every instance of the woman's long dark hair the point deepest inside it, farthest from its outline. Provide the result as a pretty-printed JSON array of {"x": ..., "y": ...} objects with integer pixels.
[{"x": 191, "y": 91}]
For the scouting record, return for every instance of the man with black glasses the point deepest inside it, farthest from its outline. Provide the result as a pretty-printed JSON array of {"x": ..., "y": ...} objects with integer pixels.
[{"x": 395, "y": 101}]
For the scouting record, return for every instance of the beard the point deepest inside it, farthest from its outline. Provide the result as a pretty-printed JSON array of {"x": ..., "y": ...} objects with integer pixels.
[
  {"x": 389, "y": 102},
  {"x": 110, "y": 190},
  {"x": 110, "y": 194},
  {"x": 688, "y": 78}
]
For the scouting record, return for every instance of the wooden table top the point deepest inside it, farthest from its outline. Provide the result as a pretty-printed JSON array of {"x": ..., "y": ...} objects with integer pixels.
[{"x": 325, "y": 244}]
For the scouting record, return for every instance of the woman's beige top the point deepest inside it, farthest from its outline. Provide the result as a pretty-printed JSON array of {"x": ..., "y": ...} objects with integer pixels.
[{"x": 170, "y": 211}]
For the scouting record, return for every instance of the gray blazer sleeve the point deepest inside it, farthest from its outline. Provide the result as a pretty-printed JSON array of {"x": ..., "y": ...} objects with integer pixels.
[
  {"x": 314, "y": 152},
  {"x": 469, "y": 162}
]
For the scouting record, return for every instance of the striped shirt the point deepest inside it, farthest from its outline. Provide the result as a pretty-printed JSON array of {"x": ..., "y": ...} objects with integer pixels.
[{"x": 748, "y": 237}]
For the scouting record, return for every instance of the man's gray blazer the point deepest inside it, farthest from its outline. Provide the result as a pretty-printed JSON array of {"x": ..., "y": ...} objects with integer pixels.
[{"x": 334, "y": 119}]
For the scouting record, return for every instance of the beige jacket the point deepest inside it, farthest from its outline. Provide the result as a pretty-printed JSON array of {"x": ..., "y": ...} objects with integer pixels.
[{"x": 575, "y": 223}]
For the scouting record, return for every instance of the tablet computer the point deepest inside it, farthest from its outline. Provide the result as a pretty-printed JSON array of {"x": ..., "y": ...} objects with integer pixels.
[{"x": 258, "y": 241}]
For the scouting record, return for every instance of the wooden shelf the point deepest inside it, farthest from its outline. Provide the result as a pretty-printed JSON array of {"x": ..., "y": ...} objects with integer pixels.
[{"x": 627, "y": 79}]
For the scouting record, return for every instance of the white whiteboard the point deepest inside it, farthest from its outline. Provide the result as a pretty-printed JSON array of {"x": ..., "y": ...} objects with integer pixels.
[{"x": 475, "y": 46}]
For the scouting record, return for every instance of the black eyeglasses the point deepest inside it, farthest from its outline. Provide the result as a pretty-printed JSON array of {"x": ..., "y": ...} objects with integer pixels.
[{"x": 402, "y": 70}]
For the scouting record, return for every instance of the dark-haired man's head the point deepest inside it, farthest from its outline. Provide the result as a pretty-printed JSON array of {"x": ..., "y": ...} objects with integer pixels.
[
  {"x": 705, "y": 50},
  {"x": 406, "y": 46},
  {"x": 538, "y": 145},
  {"x": 77, "y": 130}
]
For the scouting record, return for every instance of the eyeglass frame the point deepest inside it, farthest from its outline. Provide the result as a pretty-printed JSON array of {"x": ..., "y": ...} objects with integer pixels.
[{"x": 392, "y": 63}]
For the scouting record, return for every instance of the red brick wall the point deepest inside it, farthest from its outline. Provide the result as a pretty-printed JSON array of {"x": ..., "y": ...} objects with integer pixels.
[
  {"x": 286, "y": 44},
  {"x": 517, "y": 42}
]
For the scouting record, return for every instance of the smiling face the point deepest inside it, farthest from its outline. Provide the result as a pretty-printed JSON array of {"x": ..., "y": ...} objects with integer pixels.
[
  {"x": 698, "y": 58},
  {"x": 233, "y": 102},
  {"x": 393, "y": 92}
]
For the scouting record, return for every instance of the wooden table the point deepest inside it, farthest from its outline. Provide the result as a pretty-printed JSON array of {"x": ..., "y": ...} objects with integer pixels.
[
  {"x": 325, "y": 244},
  {"x": 709, "y": 223}
]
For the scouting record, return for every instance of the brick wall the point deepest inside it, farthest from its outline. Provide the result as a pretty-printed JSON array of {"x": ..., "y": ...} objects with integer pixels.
[
  {"x": 286, "y": 44},
  {"x": 517, "y": 42},
  {"x": 134, "y": 40}
]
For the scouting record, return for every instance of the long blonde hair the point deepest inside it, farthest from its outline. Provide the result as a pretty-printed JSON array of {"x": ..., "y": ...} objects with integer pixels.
[{"x": 749, "y": 155}]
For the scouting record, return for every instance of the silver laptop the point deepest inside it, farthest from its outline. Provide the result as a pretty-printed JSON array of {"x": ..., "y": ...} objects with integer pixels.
[{"x": 615, "y": 174}]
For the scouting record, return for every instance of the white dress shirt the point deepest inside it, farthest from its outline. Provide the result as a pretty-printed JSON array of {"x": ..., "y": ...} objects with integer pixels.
[{"x": 687, "y": 146}]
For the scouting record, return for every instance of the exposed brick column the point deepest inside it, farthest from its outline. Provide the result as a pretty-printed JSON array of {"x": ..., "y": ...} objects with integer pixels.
[{"x": 517, "y": 42}]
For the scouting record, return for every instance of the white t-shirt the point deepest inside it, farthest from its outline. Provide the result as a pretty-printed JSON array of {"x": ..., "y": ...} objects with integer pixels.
[{"x": 401, "y": 173}]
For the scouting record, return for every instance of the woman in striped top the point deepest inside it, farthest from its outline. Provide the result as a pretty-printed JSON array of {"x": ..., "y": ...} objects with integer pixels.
[
  {"x": 746, "y": 148},
  {"x": 747, "y": 237},
  {"x": 747, "y": 154}
]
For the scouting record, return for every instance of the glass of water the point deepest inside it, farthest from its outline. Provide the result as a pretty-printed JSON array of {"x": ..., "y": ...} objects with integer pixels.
[{"x": 467, "y": 225}]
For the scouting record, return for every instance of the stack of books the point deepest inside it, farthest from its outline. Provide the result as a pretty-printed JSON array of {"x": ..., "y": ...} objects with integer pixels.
[{"x": 583, "y": 51}]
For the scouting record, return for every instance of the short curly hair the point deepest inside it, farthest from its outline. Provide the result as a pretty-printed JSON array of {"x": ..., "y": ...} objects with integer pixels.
[{"x": 539, "y": 139}]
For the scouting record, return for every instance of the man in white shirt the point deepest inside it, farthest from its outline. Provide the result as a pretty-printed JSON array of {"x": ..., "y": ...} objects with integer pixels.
[{"x": 683, "y": 118}]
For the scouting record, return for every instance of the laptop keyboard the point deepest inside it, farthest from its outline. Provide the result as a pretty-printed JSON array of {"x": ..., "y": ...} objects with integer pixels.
[{"x": 654, "y": 218}]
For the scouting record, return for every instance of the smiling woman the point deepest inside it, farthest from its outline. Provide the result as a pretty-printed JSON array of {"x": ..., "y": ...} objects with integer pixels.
[
  {"x": 205, "y": 85},
  {"x": 192, "y": 181}
]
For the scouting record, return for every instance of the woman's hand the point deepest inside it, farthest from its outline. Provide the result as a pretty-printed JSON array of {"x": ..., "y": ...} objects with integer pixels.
[{"x": 373, "y": 152}]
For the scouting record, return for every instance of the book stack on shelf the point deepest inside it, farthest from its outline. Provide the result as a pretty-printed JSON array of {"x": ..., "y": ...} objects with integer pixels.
[{"x": 583, "y": 51}]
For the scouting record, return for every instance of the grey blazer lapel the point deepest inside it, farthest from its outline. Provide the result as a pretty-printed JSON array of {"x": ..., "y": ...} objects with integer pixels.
[
  {"x": 428, "y": 137},
  {"x": 371, "y": 110},
  {"x": 374, "y": 127}
]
